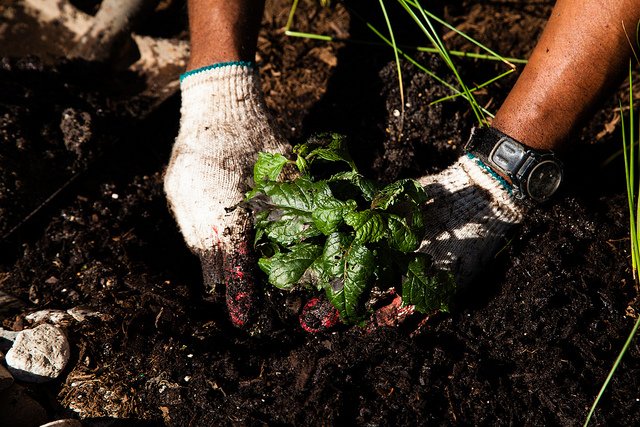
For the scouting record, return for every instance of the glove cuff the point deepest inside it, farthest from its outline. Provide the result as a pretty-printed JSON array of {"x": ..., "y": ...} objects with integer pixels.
[
  {"x": 501, "y": 195},
  {"x": 226, "y": 91},
  {"x": 190, "y": 73}
]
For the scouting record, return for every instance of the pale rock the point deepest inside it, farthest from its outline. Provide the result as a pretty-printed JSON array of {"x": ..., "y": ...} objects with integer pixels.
[
  {"x": 39, "y": 354},
  {"x": 63, "y": 423},
  {"x": 62, "y": 317},
  {"x": 81, "y": 314},
  {"x": 54, "y": 317}
]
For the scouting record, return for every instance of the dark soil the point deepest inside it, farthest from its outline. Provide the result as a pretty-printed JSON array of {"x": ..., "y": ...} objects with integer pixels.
[{"x": 529, "y": 343}]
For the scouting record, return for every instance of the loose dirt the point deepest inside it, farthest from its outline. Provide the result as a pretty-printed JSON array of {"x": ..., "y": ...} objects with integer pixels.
[{"x": 529, "y": 343}]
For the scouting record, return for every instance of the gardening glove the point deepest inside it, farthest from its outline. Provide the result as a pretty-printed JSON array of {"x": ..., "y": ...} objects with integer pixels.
[
  {"x": 470, "y": 209},
  {"x": 224, "y": 124}
]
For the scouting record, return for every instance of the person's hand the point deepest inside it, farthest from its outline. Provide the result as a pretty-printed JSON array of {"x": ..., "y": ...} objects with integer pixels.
[
  {"x": 224, "y": 125},
  {"x": 470, "y": 209}
]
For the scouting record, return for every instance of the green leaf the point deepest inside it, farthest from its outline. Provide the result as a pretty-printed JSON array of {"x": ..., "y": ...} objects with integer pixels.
[
  {"x": 260, "y": 220},
  {"x": 344, "y": 291},
  {"x": 302, "y": 150},
  {"x": 286, "y": 268},
  {"x": 367, "y": 188},
  {"x": 268, "y": 167},
  {"x": 402, "y": 190},
  {"x": 368, "y": 225},
  {"x": 333, "y": 156},
  {"x": 292, "y": 227},
  {"x": 297, "y": 195},
  {"x": 329, "y": 212},
  {"x": 302, "y": 165},
  {"x": 401, "y": 236},
  {"x": 425, "y": 287},
  {"x": 265, "y": 265},
  {"x": 326, "y": 146},
  {"x": 330, "y": 263},
  {"x": 291, "y": 206}
]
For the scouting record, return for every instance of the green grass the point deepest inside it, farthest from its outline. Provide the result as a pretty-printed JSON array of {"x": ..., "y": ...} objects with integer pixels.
[
  {"x": 631, "y": 158},
  {"x": 396, "y": 54}
]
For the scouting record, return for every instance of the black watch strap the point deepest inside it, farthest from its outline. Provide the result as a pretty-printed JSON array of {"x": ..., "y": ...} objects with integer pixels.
[{"x": 534, "y": 174}]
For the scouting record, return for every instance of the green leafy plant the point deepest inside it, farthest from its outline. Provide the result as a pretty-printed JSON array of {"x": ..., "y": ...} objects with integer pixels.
[{"x": 332, "y": 229}]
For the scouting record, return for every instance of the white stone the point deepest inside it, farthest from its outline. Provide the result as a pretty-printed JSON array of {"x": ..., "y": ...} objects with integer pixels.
[
  {"x": 81, "y": 314},
  {"x": 63, "y": 318},
  {"x": 63, "y": 423},
  {"x": 55, "y": 317},
  {"x": 39, "y": 354}
]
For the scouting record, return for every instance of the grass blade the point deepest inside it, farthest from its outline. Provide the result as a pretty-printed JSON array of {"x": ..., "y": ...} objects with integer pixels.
[
  {"x": 444, "y": 23},
  {"x": 613, "y": 370},
  {"x": 292, "y": 12},
  {"x": 395, "y": 52},
  {"x": 433, "y": 37},
  {"x": 480, "y": 86},
  {"x": 634, "y": 214}
]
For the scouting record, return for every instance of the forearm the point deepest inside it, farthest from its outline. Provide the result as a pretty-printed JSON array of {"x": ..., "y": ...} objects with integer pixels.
[
  {"x": 581, "y": 55},
  {"x": 223, "y": 30}
]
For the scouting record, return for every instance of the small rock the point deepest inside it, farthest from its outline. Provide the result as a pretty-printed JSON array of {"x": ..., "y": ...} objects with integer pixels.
[
  {"x": 81, "y": 314},
  {"x": 18, "y": 409},
  {"x": 61, "y": 317},
  {"x": 39, "y": 354},
  {"x": 63, "y": 423},
  {"x": 54, "y": 317}
]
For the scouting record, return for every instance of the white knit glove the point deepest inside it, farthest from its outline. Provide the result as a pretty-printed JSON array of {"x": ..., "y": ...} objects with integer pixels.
[
  {"x": 224, "y": 124},
  {"x": 467, "y": 215}
]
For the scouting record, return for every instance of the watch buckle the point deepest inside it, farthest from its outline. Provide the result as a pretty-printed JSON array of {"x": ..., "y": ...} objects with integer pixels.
[{"x": 507, "y": 155}]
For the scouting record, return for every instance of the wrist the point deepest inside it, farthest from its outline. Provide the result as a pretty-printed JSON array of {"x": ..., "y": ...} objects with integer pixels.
[
  {"x": 227, "y": 91},
  {"x": 192, "y": 71}
]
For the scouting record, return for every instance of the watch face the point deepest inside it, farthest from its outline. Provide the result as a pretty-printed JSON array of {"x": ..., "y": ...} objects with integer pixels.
[{"x": 544, "y": 180}]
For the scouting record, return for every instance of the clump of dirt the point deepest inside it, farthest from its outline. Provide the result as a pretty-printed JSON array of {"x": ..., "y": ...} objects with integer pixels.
[{"x": 528, "y": 343}]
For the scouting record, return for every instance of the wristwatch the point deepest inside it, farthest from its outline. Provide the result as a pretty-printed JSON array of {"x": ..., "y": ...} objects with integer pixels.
[{"x": 532, "y": 174}]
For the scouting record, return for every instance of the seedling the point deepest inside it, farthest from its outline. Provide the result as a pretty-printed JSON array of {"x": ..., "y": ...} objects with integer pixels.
[{"x": 341, "y": 233}]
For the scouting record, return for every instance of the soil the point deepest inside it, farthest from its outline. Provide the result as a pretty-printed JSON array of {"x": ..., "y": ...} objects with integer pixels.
[{"x": 529, "y": 343}]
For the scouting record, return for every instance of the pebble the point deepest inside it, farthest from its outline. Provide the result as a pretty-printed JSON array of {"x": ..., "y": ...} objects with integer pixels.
[
  {"x": 63, "y": 423},
  {"x": 62, "y": 317},
  {"x": 39, "y": 354},
  {"x": 55, "y": 317}
]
